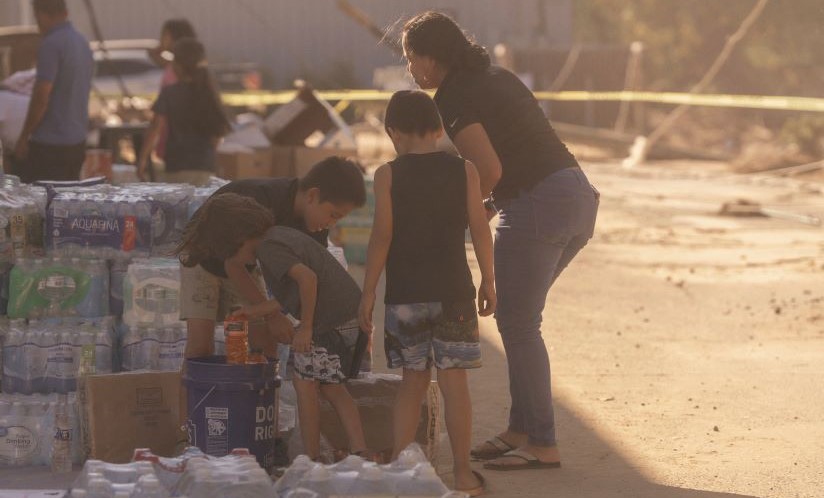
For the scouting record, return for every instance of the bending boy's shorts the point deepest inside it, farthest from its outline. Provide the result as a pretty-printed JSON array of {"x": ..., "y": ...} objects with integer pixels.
[
  {"x": 420, "y": 335},
  {"x": 330, "y": 358},
  {"x": 209, "y": 297}
]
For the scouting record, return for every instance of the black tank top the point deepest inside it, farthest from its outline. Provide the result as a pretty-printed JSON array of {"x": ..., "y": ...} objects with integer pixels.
[{"x": 427, "y": 257}]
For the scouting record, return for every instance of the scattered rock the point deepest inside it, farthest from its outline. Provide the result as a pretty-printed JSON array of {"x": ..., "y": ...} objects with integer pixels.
[{"x": 715, "y": 429}]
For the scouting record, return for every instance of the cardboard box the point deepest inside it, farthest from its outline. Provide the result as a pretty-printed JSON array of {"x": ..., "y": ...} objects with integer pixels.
[
  {"x": 292, "y": 160},
  {"x": 374, "y": 395},
  {"x": 253, "y": 163},
  {"x": 133, "y": 410}
]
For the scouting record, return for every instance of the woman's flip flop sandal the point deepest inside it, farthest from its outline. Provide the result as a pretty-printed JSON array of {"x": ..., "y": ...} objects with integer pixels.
[
  {"x": 478, "y": 490},
  {"x": 500, "y": 447},
  {"x": 529, "y": 462}
]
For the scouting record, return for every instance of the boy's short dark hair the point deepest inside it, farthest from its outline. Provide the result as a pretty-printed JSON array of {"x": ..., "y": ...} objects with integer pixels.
[
  {"x": 50, "y": 7},
  {"x": 179, "y": 28},
  {"x": 339, "y": 181},
  {"x": 412, "y": 111},
  {"x": 220, "y": 226}
]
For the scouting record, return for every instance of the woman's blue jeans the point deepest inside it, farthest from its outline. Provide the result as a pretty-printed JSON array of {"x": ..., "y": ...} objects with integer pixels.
[{"x": 538, "y": 234}]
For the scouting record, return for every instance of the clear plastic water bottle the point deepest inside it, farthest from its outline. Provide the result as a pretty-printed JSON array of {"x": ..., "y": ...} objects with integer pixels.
[
  {"x": 61, "y": 446},
  {"x": 319, "y": 480},
  {"x": 424, "y": 482},
  {"x": 52, "y": 343},
  {"x": 370, "y": 481},
  {"x": 12, "y": 359},
  {"x": 69, "y": 360},
  {"x": 103, "y": 350},
  {"x": 99, "y": 488},
  {"x": 149, "y": 486}
]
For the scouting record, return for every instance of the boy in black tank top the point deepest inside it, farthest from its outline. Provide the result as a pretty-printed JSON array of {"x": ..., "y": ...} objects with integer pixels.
[{"x": 424, "y": 200}]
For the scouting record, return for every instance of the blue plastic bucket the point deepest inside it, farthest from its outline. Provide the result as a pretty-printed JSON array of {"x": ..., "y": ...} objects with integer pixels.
[{"x": 232, "y": 406}]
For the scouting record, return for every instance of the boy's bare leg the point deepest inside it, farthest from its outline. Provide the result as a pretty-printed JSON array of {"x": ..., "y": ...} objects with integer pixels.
[
  {"x": 458, "y": 416},
  {"x": 200, "y": 338},
  {"x": 347, "y": 410},
  {"x": 407, "y": 412},
  {"x": 309, "y": 415}
]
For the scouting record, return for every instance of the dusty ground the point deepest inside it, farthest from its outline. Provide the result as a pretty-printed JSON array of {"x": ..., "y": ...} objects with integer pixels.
[{"x": 687, "y": 348}]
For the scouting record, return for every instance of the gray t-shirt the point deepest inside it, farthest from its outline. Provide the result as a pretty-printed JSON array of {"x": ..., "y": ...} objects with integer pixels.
[{"x": 338, "y": 294}]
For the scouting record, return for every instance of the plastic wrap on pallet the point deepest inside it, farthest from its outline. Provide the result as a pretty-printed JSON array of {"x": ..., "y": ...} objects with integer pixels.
[
  {"x": 43, "y": 356},
  {"x": 21, "y": 223},
  {"x": 170, "y": 213},
  {"x": 152, "y": 348},
  {"x": 28, "y": 427},
  {"x": 151, "y": 290},
  {"x": 57, "y": 287},
  {"x": 102, "y": 221}
]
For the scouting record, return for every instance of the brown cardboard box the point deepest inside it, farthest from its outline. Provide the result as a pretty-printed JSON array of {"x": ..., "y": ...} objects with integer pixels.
[
  {"x": 133, "y": 410},
  {"x": 374, "y": 395},
  {"x": 244, "y": 164},
  {"x": 290, "y": 160}
]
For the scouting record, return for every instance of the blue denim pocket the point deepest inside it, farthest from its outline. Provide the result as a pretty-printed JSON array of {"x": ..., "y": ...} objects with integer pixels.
[{"x": 564, "y": 205}]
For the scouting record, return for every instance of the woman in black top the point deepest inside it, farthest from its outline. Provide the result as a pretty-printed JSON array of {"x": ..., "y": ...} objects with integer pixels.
[{"x": 547, "y": 211}]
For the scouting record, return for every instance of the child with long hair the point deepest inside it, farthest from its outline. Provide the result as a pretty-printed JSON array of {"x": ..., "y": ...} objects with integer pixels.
[{"x": 192, "y": 113}]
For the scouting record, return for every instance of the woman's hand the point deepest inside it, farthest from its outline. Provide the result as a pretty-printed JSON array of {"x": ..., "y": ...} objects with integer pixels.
[
  {"x": 366, "y": 311},
  {"x": 302, "y": 343},
  {"x": 487, "y": 298}
]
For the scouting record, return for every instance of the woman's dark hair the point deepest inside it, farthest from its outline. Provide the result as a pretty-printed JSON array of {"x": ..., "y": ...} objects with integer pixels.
[
  {"x": 436, "y": 35},
  {"x": 178, "y": 28},
  {"x": 412, "y": 111},
  {"x": 338, "y": 180},
  {"x": 207, "y": 110},
  {"x": 220, "y": 226}
]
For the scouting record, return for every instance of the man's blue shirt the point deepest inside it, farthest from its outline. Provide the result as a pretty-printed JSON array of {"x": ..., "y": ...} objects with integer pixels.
[{"x": 65, "y": 60}]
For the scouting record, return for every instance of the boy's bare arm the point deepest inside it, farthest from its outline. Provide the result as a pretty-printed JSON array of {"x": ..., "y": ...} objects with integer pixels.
[
  {"x": 307, "y": 281},
  {"x": 270, "y": 309},
  {"x": 481, "y": 241},
  {"x": 379, "y": 242}
]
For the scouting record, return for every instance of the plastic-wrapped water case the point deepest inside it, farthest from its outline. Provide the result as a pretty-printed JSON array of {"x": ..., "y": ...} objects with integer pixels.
[
  {"x": 170, "y": 212},
  {"x": 55, "y": 287},
  {"x": 27, "y": 426},
  {"x": 21, "y": 223},
  {"x": 151, "y": 292},
  {"x": 100, "y": 222}
]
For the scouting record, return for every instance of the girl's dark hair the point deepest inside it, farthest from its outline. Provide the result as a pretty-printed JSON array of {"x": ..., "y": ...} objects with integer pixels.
[
  {"x": 338, "y": 180},
  {"x": 412, "y": 111},
  {"x": 207, "y": 114},
  {"x": 178, "y": 28},
  {"x": 437, "y": 35},
  {"x": 220, "y": 227}
]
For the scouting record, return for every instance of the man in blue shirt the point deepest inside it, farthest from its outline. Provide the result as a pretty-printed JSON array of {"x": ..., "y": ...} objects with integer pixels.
[{"x": 52, "y": 143}]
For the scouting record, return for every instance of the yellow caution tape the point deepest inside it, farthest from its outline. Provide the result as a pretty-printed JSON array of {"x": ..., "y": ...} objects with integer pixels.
[{"x": 779, "y": 103}]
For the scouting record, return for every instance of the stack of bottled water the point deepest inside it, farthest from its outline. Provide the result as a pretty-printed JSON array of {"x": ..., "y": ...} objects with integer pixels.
[
  {"x": 102, "y": 221},
  {"x": 21, "y": 231},
  {"x": 410, "y": 475},
  {"x": 170, "y": 212},
  {"x": 153, "y": 348},
  {"x": 237, "y": 475},
  {"x": 27, "y": 424},
  {"x": 44, "y": 356},
  {"x": 107, "y": 480},
  {"x": 151, "y": 291},
  {"x": 56, "y": 287}
]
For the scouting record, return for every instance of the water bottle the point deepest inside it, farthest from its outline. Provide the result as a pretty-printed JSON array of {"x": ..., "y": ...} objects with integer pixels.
[
  {"x": 35, "y": 355},
  {"x": 12, "y": 359},
  {"x": 151, "y": 348},
  {"x": 370, "y": 481},
  {"x": 51, "y": 342},
  {"x": 319, "y": 480},
  {"x": 103, "y": 350},
  {"x": 424, "y": 482},
  {"x": 61, "y": 446},
  {"x": 148, "y": 486},
  {"x": 78, "y": 493},
  {"x": 99, "y": 488},
  {"x": 69, "y": 359},
  {"x": 302, "y": 493}
]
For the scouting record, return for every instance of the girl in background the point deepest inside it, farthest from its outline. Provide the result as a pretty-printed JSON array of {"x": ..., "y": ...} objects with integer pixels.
[{"x": 192, "y": 113}]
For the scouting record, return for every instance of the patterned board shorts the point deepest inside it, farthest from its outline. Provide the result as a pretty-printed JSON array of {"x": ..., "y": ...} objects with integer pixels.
[
  {"x": 331, "y": 357},
  {"x": 420, "y": 335}
]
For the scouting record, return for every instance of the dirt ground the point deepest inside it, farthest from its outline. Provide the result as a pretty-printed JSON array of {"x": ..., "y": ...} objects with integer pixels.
[{"x": 686, "y": 348}]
